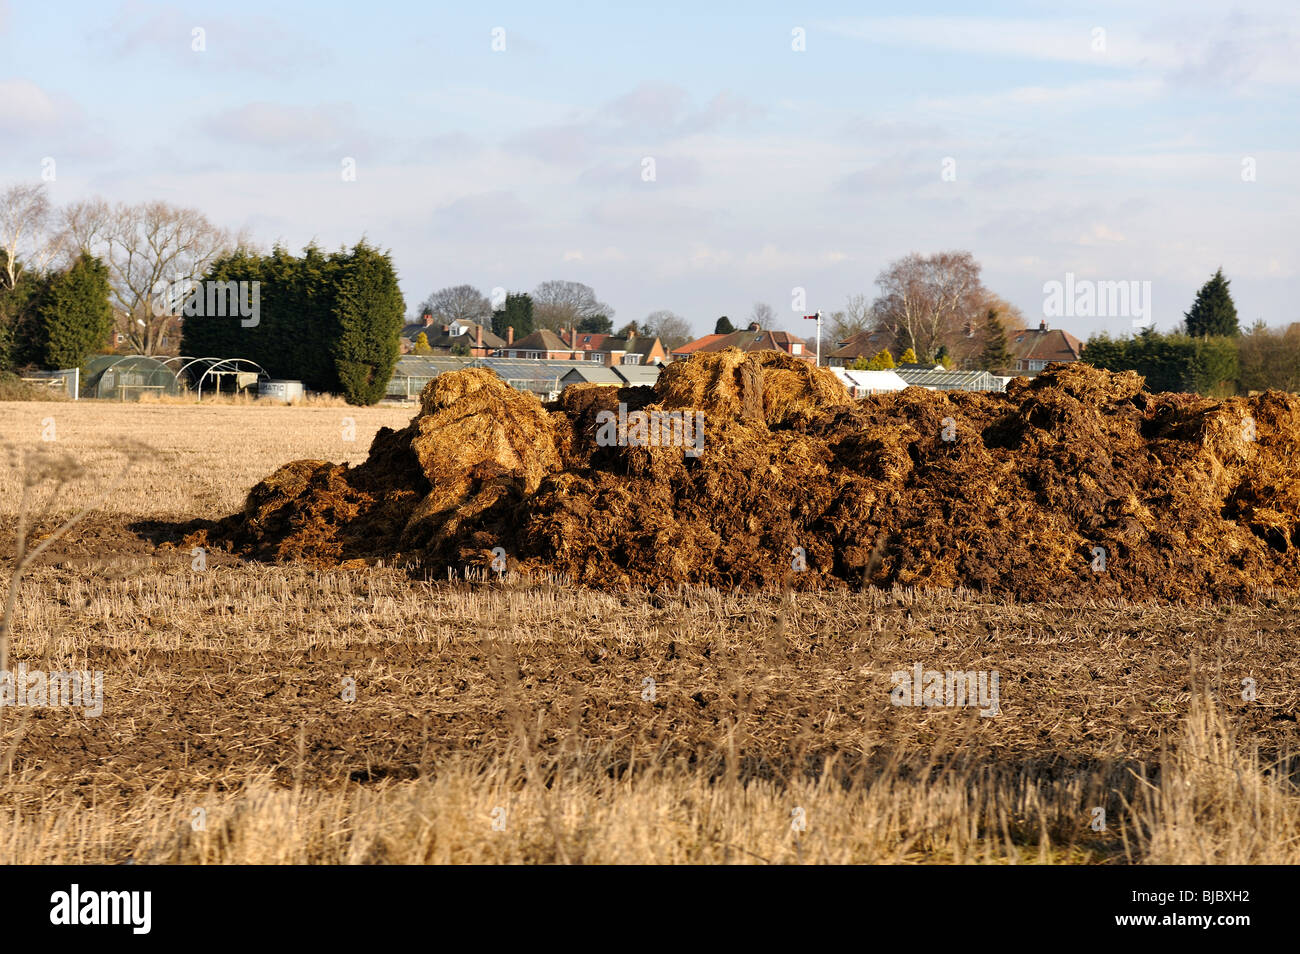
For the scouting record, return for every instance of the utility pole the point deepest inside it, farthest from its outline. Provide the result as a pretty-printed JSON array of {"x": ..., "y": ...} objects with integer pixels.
[{"x": 818, "y": 318}]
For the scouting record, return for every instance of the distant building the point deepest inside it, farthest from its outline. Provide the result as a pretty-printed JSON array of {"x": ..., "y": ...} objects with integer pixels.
[
  {"x": 937, "y": 379},
  {"x": 612, "y": 351},
  {"x": 865, "y": 345},
  {"x": 473, "y": 338},
  {"x": 867, "y": 383},
  {"x": 752, "y": 338},
  {"x": 1034, "y": 349},
  {"x": 601, "y": 349}
]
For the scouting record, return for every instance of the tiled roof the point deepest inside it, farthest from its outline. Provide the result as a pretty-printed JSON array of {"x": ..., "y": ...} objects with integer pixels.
[
  {"x": 540, "y": 340},
  {"x": 693, "y": 346},
  {"x": 746, "y": 340},
  {"x": 1045, "y": 344}
]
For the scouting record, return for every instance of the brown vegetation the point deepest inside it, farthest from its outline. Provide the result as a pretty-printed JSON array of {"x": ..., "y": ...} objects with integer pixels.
[
  {"x": 1075, "y": 484},
  {"x": 512, "y": 721}
]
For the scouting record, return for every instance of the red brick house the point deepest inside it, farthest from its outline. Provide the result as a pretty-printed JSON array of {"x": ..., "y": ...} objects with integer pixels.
[
  {"x": 752, "y": 338},
  {"x": 1034, "y": 349}
]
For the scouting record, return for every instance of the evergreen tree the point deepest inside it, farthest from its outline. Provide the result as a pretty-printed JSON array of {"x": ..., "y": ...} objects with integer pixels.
[
  {"x": 723, "y": 326},
  {"x": 883, "y": 361},
  {"x": 908, "y": 357},
  {"x": 20, "y": 334},
  {"x": 74, "y": 318},
  {"x": 996, "y": 356},
  {"x": 368, "y": 312},
  {"x": 595, "y": 325},
  {"x": 516, "y": 313},
  {"x": 422, "y": 344},
  {"x": 1213, "y": 312},
  {"x": 333, "y": 321}
]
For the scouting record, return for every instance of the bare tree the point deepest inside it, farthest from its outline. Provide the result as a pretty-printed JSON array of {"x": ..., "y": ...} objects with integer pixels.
[
  {"x": 764, "y": 314},
  {"x": 25, "y": 240},
  {"x": 925, "y": 299},
  {"x": 669, "y": 327},
  {"x": 557, "y": 305},
  {"x": 146, "y": 246},
  {"x": 458, "y": 303},
  {"x": 968, "y": 342},
  {"x": 853, "y": 319}
]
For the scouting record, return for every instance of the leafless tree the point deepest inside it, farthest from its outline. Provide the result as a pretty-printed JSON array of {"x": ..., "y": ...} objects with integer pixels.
[
  {"x": 669, "y": 327},
  {"x": 764, "y": 314},
  {"x": 1270, "y": 357},
  {"x": 853, "y": 319},
  {"x": 25, "y": 240},
  {"x": 144, "y": 246},
  {"x": 458, "y": 303},
  {"x": 557, "y": 305},
  {"x": 925, "y": 299}
]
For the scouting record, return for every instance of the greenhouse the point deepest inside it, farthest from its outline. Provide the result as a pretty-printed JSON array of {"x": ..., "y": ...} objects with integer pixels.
[{"x": 126, "y": 377}]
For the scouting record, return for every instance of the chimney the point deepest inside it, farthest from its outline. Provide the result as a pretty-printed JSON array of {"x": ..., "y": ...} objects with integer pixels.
[
  {"x": 510, "y": 334},
  {"x": 428, "y": 320},
  {"x": 478, "y": 337},
  {"x": 573, "y": 339},
  {"x": 1042, "y": 325},
  {"x": 446, "y": 328}
]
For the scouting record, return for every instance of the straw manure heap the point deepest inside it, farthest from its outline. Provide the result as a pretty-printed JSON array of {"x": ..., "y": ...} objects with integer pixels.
[{"x": 1012, "y": 494}]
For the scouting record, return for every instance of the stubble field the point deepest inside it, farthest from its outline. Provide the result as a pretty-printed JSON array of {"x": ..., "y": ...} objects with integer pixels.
[{"x": 264, "y": 713}]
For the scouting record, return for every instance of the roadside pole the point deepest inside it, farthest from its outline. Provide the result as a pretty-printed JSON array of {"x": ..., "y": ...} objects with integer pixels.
[{"x": 818, "y": 318}]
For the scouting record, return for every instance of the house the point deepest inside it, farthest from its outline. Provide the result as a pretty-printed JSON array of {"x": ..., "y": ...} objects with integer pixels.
[
  {"x": 752, "y": 338},
  {"x": 611, "y": 351},
  {"x": 864, "y": 344},
  {"x": 1034, "y": 349},
  {"x": 468, "y": 337},
  {"x": 600, "y": 349},
  {"x": 688, "y": 349},
  {"x": 542, "y": 343},
  {"x": 866, "y": 383}
]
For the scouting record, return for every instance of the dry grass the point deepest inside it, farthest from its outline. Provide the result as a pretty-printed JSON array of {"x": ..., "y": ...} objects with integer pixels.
[
  {"x": 224, "y": 692},
  {"x": 242, "y": 399},
  {"x": 203, "y": 458}
]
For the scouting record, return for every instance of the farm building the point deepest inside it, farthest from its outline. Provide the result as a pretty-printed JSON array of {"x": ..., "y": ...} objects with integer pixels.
[
  {"x": 638, "y": 375},
  {"x": 619, "y": 376},
  {"x": 865, "y": 383},
  {"x": 593, "y": 374},
  {"x": 413, "y": 371},
  {"x": 940, "y": 380},
  {"x": 127, "y": 377}
]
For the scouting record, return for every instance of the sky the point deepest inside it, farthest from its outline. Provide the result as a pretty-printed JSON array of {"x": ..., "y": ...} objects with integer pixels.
[{"x": 698, "y": 157}]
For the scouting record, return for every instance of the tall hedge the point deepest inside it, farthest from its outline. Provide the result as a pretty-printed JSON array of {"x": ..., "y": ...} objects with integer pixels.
[
  {"x": 332, "y": 321},
  {"x": 74, "y": 317},
  {"x": 1169, "y": 362}
]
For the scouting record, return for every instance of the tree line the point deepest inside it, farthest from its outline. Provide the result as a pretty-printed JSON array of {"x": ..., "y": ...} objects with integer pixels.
[
  {"x": 554, "y": 306},
  {"x": 72, "y": 278},
  {"x": 1208, "y": 353}
]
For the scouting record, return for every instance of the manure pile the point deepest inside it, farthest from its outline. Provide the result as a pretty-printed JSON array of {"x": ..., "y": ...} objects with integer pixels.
[{"x": 1076, "y": 483}]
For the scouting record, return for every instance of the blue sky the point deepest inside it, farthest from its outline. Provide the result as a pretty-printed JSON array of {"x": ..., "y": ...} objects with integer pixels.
[{"x": 775, "y": 169}]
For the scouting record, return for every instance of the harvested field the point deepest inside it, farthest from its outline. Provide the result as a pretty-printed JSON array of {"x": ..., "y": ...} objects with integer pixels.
[
  {"x": 1076, "y": 484},
  {"x": 513, "y": 721}
]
